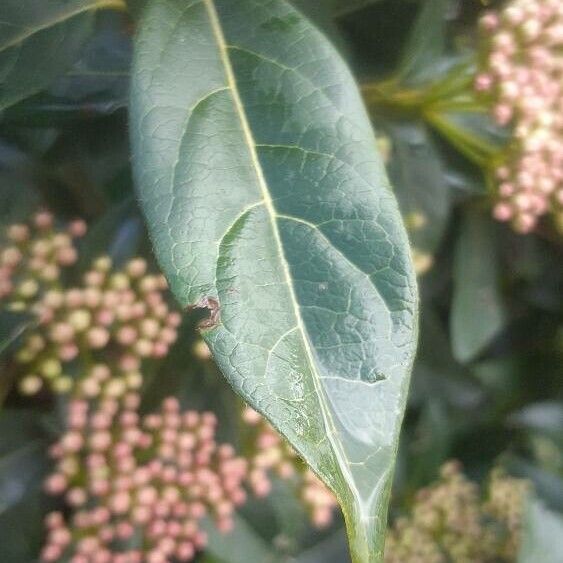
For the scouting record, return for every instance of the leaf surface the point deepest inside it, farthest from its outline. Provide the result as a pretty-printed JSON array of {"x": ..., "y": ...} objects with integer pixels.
[
  {"x": 478, "y": 313},
  {"x": 266, "y": 201},
  {"x": 417, "y": 172},
  {"x": 240, "y": 545},
  {"x": 38, "y": 41},
  {"x": 12, "y": 325},
  {"x": 542, "y": 536},
  {"x": 426, "y": 43}
]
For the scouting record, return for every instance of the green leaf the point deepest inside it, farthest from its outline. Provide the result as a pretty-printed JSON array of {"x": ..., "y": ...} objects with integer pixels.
[
  {"x": 12, "y": 326},
  {"x": 336, "y": 8},
  {"x": 544, "y": 417},
  {"x": 96, "y": 84},
  {"x": 436, "y": 373},
  {"x": 39, "y": 40},
  {"x": 241, "y": 545},
  {"x": 478, "y": 313},
  {"x": 543, "y": 535},
  {"x": 418, "y": 177},
  {"x": 18, "y": 470},
  {"x": 266, "y": 201},
  {"x": 426, "y": 44},
  {"x": 118, "y": 233},
  {"x": 548, "y": 485},
  {"x": 330, "y": 550},
  {"x": 19, "y": 198},
  {"x": 23, "y": 460},
  {"x": 21, "y": 529}
]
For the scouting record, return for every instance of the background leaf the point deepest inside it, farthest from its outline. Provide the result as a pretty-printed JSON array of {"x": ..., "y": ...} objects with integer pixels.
[
  {"x": 543, "y": 535},
  {"x": 478, "y": 312},
  {"x": 241, "y": 545},
  {"x": 264, "y": 196},
  {"x": 426, "y": 44},
  {"x": 417, "y": 174},
  {"x": 332, "y": 550},
  {"x": 12, "y": 326},
  {"x": 23, "y": 466},
  {"x": 39, "y": 40},
  {"x": 96, "y": 84}
]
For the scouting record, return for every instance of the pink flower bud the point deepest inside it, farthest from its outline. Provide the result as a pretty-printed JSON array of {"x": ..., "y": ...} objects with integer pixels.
[
  {"x": 489, "y": 21},
  {"x": 185, "y": 551},
  {"x": 126, "y": 335},
  {"x": 97, "y": 337},
  {"x": 54, "y": 520},
  {"x": 502, "y": 212},
  {"x": 120, "y": 502},
  {"x": 43, "y": 220},
  {"x": 56, "y": 484},
  {"x": 76, "y": 496},
  {"x": 18, "y": 233},
  {"x": 51, "y": 552},
  {"x": 136, "y": 268},
  {"x": 66, "y": 256},
  {"x": 77, "y": 228},
  {"x": 61, "y": 537}
]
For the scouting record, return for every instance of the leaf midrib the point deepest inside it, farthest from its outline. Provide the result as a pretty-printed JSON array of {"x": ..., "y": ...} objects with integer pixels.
[{"x": 269, "y": 206}]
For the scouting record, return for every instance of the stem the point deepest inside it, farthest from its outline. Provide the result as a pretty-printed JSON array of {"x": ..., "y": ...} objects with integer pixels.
[
  {"x": 119, "y": 5},
  {"x": 388, "y": 94},
  {"x": 455, "y": 84},
  {"x": 366, "y": 535},
  {"x": 366, "y": 520},
  {"x": 475, "y": 149}
]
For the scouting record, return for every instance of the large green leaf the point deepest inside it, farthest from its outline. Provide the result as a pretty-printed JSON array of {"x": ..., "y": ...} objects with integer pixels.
[
  {"x": 39, "y": 40},
  {"x": 266, "y": 201}
]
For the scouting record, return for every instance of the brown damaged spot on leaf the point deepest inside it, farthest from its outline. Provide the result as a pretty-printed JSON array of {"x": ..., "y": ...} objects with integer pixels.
[{"x": 212, "y": 305}]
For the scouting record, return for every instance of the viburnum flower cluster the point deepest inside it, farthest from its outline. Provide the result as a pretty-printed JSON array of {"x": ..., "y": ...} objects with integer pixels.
[
  {"x": 94, "y": 335},
  {"x": 139, "y": 486},
  {"x": 522, "y": 77},
  {"x": 34, "y": 257},
  {"x": 135, "y": 488},
  {"x": 273, "y": 455},
  {"x": 117, "y": 319},
  {"x": 450, "y": 522}
]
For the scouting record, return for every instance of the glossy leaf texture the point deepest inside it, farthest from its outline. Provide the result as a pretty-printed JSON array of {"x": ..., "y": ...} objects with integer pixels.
[
  {"x": 266, "y": 201},
  {"x": 39, "y": 40}
]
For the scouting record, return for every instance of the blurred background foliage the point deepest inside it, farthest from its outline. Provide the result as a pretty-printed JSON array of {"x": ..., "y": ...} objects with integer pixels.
[{"x": 486, "y": 387}]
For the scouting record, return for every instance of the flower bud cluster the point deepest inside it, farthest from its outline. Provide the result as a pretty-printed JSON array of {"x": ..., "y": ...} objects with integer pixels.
[
  {"x": 33, "y": 257},
  {"x": 138, "y": 486},
  {"x": 506, "y": 504},
  {"x": 114, "y": 319},
  {"x": 450, "y": 522},
  {"x": 273, "y": 455},
  {"x": 135, "y": 488},
  {"x": 522, "y": 78}
]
